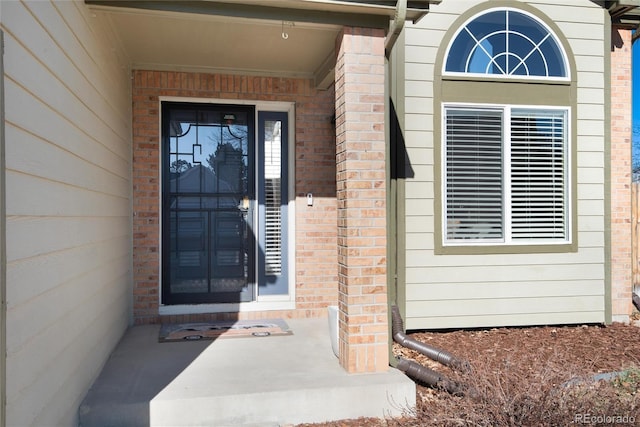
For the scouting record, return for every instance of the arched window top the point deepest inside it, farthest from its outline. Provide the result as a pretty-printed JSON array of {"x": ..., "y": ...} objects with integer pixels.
[{"x": 506, "y": 43}]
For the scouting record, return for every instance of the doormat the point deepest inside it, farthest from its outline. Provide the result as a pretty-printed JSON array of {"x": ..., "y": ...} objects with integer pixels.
[{"x": 173, "y": 332}]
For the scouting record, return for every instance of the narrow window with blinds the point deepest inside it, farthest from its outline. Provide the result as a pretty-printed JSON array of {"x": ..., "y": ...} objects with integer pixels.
[
  {"x": 273, "y": 204},
  {"x": 273, "y": 198},
  {"x": 505, "y": 175}
]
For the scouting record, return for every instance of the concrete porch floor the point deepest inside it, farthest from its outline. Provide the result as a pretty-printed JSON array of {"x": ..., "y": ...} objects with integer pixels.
[{"x": 257, "y": 381}]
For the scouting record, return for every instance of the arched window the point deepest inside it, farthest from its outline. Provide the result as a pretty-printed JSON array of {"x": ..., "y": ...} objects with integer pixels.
[
  {"x": 506, "y": 43},
  {"x": 505, "y": 121}
]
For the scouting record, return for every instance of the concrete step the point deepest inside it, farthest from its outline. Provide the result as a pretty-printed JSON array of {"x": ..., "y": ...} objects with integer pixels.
[
  {"x": 262, "y": 381},
  {"x": 369, "y": 395}
]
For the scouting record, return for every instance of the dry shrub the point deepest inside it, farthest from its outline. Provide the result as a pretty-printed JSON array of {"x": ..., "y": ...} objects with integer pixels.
[
  {"x": 534, "y": 376},
  {"x": 500, "y": 393}
]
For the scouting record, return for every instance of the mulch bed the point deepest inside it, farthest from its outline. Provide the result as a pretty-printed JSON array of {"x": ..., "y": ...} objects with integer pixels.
[{"x": 516, "y": 370}]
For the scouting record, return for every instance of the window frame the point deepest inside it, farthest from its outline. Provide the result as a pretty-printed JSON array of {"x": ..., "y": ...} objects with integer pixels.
[
  {"x": 509, "y": 77},
  {"x": 507, "y": 239},
  {"x": 470, "y": 89}
]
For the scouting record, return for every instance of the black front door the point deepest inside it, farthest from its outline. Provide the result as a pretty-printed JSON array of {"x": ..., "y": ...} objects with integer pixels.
[{"x": 208, "y": 200}]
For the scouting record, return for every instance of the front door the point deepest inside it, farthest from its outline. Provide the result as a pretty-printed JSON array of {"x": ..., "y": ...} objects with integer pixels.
[
  {"x": 208, "y": 193},
  {"x": 225, "y": 204}
]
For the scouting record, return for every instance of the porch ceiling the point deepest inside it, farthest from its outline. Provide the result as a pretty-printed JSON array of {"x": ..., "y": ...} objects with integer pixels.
[
  {"x": 266, "y": 37},
  {"x": 161, "y": 40}
]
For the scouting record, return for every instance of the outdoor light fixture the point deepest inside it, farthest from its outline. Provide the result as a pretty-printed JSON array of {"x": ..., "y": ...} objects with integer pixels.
[{"x": 285, "y": 35}]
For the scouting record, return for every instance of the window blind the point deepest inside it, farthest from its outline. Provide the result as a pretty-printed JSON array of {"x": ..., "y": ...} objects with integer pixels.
[
  {"x": 506, "y": 174},
  {"x": 273, "y": 199},
  {"x": 473, "y": 181},
  {"x": 273, "y": 226},
  {"x": 538, "y": 177}
]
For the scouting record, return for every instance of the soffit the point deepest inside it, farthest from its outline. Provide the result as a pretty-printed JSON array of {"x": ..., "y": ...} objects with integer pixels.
[
  {"x": 243, "y": 36},
  {"x": 344, "y": 12},
  {"x": 624, "y": 13},
  {"x": 208, "y": 43}
]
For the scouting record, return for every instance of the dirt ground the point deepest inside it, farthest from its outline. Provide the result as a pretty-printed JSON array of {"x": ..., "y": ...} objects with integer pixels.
[{"x": 519, "y": 376}]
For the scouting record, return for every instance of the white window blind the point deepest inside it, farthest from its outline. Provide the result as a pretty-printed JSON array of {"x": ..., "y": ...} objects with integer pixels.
[
  {"x": 538, "y": 174},
  {"x": 473, "y": 189},
  {"x": 273, "y": 198},
  {"x": 505, "y": 173}
]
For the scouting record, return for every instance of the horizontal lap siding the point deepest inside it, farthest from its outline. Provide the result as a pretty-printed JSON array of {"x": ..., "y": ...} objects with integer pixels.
[
  {"x": 444, "y": 291},
  {"x": 68, "y": 178}
]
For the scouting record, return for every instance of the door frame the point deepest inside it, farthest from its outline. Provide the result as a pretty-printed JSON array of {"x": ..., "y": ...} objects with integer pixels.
[{"x": 264, "y": 302}]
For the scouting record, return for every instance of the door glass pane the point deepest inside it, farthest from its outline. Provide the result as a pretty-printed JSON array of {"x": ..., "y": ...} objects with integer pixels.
[
  {"x": 209, "y": 184},
  {"x": 188, "y": 252}
]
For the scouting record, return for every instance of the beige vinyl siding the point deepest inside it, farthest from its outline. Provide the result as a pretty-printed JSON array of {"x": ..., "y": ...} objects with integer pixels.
[
  {"x": 68, "y": 178},
  {"x": 444, "y": 291}
]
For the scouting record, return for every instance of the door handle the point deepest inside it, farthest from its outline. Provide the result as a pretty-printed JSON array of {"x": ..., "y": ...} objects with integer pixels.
[{"x": 244, "y": 205}]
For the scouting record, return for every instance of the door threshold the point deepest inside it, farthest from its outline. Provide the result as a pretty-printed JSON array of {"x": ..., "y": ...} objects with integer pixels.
[{"x": 168, "y": 310}]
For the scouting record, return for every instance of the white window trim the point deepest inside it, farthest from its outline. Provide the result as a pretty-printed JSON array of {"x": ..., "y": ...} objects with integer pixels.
[
  {"x": 265, "y": 302},
  {"x": 506, "y": 146},
  {"x": 493, "y": 77}
]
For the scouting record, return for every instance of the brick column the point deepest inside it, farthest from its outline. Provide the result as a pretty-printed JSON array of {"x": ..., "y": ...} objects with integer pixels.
[
  {"x": 360, "y": 176},
  {"x": 621, "y": 122}
]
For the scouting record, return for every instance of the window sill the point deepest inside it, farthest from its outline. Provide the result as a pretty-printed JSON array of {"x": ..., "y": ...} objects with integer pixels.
[{"x": 525, "y": 248}]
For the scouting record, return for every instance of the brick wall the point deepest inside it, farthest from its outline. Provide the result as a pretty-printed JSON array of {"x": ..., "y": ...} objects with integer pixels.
[
  {"x": 360, "y": 150},
  {"x": 621, "y": 122},
  {"x": 315, "y": 169}
]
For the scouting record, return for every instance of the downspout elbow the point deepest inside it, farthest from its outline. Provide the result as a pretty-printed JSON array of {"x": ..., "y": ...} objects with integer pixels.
[
  {"x": 428, "y": 376},
  {"x": 397, "y": 325},
  {"x": 396, "y": 26},
  {"x": 441, "y": 356}
]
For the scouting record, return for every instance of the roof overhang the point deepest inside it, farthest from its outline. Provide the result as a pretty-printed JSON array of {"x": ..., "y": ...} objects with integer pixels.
[
  {"x": 360, "y": 13},
  {"x": 624, "y": 13},
  {"x": 244, "y": 36}
]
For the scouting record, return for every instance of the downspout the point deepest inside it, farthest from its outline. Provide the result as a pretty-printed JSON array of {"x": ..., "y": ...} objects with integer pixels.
[
  {"x": 433, "y": 353},
  {"x": 421, "y": 373},
  {"x": 411, "y": 368},
  {"x": 428, "y": 376},
  {"x": 396, "y": 27}
]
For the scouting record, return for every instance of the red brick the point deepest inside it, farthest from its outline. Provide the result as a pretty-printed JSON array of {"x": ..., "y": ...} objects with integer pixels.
[{"x": 315, "y": 172}]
